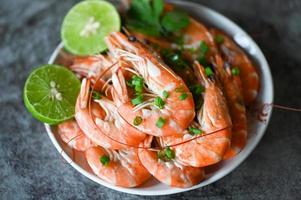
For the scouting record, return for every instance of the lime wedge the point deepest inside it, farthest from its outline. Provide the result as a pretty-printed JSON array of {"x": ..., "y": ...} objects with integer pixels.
[
  {"x": 87, "y": 24},
  {"x": 50, "y": 93}
]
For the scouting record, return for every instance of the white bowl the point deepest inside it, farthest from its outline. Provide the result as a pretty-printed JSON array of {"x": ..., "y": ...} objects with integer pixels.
[{"x": 256, "y": 128}]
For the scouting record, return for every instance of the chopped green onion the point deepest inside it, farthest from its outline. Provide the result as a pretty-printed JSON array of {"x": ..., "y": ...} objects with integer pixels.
[
  {"x": 183, "y": 96},
  {"x": 159, "y": 102},
  {"x": 166, "y": 154},
  {"x": 160, "y": 122},
  {"x": 235, "y": 71},
  {"x": 208, "y": 71},
  {"x": 96, "y": 95},
  {"x": 137, "y": 120},
  {"x": 104, "y": 160},
  {"x": 170, "y": 154},
  {"x": 138, "y": 100},
  {"x": 203, "y": 48},
  {"x": 165, "y": 94},
  {"x": 161, "y": 155},
  {"x": 136, "y": 82},
  {"x": 138, "y": 88},
  {"x": 219, "y": 39},
  {"x": 195, "y": 131}
]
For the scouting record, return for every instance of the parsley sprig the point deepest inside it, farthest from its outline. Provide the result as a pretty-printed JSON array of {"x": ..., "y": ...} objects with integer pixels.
[{"x": 147, "y": 17}]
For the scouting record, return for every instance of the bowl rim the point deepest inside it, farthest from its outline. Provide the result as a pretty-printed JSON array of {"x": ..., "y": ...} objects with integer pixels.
[{"x": 238, "y": 159}]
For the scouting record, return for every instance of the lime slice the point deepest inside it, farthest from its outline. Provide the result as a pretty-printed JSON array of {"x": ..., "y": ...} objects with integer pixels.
[
  {"x": 50, "y": 93},
  {"x": 87, "y": 24}
]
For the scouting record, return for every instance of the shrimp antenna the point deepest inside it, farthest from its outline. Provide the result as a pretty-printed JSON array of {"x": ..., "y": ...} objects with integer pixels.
[{"x": 127, "y": 33}]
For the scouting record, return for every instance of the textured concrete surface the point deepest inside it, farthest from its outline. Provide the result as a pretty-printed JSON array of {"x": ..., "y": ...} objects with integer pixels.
[{"x": 31, "y": 168}]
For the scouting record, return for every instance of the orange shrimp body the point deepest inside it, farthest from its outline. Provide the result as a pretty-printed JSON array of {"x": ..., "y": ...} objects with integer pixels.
[
  {"x": 99, "y": 127},
  {"x": 116, "y": 127},
  {"x": 178, "y": 112},
  {"x": 124, "y": 168},
  {"x": 92, "y": 67},
  {"x": 72, "y": 135},
  {"x": 234, "y": 56},
  {"x": 213, "y": 116},
  {"x": 170, "y": 172},
  {"x": 236, "y": 107}
]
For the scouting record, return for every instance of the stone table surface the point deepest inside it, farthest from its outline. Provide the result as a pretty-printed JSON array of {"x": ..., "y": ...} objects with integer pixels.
[{"x": 31, "y": 168}]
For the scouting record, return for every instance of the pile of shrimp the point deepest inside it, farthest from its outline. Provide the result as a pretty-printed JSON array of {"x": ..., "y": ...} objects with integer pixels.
[{"x": 127, "y": 142}]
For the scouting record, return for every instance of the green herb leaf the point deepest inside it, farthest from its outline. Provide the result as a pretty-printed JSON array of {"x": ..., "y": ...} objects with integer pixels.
[
  {"x": 195, "y": 131},
  {"x": 143, "y": 16},
  {"x": 159, "y": 102},
  {"x": 144, "y": 28},
  {"x": 104, "y": 160},
  {"x": 141, "y": 10},
  {"x": 183, "y": 96},
  {"x": 158, "y": 6},
  {"x": 96, "y": 95},
  {"x": 160, "y": 122},
  {"x": 137, "y": 120},
  {"x": 208, "y": 71},
  {"x": 165, "y": 94},
  {"x": 137, "y": 100},
  {"x": 174, "y": 21},
  {"x": 219, "y": 39},
  {"x": 235, "y": 71}
]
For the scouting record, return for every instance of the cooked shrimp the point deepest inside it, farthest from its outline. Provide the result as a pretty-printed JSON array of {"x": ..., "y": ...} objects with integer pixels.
[
  {"x": 93, "y": 66},
  {"x": 236, "y": 108},
  {"x": 213, "y": 116},
  {"x": 234, "y": 56},
  {"x": 116, "y": 127},
  {"x": 169, "y": 172},
  {"x": 123, "y": 168},
  {"x": 178, "y": 111},
  {"x": 102, "y": 131},
  {"x": 73, "y": 136}
]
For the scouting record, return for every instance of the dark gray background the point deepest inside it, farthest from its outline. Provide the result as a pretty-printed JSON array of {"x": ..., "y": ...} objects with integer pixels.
[{"x": 31, "y": 168}]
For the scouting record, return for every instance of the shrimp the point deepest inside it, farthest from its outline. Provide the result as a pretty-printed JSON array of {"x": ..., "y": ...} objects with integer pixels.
[
  {"x": 102, "y": 127},
  {"x": 234, "y": 56},
  {"x": 93, "y": 66},
  {"x": 178, "y": 111},
  {"x": 123, "y": 169},
  {"x": 72, "y": 135},
  {"x": 169, "y": 172},
  {"x": 115, "y": 126},
  {"x": 213, "y": 116},
  {"x": 236, "y": 107}
]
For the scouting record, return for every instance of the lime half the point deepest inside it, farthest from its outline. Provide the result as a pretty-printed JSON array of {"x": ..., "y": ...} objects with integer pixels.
[
  {"x": 50, "y": 93},
  {"x": 87, "y": 24}
]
